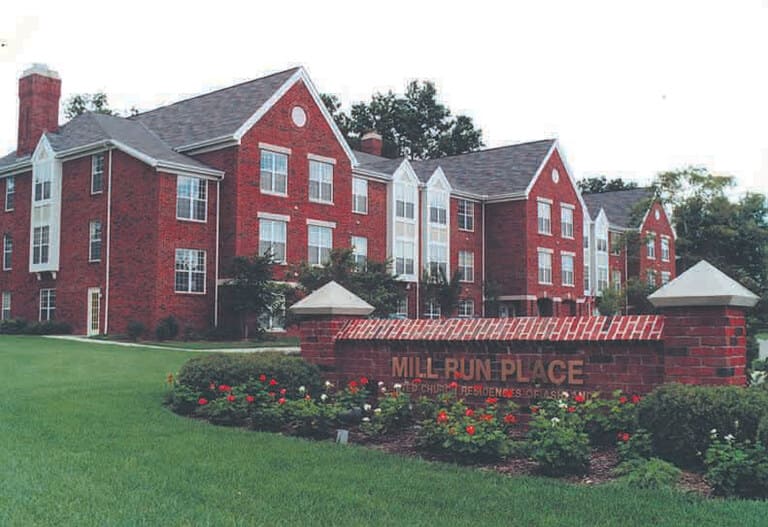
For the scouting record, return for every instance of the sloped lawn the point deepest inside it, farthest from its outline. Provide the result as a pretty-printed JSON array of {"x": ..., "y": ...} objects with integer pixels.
[{"x": 85, "y": 440}]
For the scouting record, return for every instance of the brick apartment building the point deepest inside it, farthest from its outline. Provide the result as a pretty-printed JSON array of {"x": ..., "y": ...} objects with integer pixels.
[{"x": 110, "y": 219}]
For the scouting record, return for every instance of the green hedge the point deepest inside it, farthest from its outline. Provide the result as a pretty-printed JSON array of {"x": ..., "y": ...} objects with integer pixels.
[
  {"x": 22, "y": 327},
  {"x": 680, "y": 418}
]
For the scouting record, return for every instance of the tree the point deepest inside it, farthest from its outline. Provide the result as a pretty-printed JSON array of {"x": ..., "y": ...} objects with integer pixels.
[
  {"x": 251, "y": 292},
  {"x": 602, "y": 184},
  {"x": 87, "y": 102},
  {"x": 436, "y": 287},
  {"x": 413, "y": 125},
  {"x": 373, "y": 282}
]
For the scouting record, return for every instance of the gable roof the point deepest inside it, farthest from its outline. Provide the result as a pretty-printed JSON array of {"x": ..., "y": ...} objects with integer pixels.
[
  {"x": 378, "y": 164},
  {"x": 619, "y": 205}
]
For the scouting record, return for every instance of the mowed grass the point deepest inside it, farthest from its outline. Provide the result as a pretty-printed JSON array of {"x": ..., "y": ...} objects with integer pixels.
[{"x": 85, "y": 440}]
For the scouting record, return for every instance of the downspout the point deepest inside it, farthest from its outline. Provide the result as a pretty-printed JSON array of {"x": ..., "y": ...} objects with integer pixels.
[
  {"x": 483, "y": 257},
  {"x": 216, "y": 286},
  {"x": 109, "y": 240}
]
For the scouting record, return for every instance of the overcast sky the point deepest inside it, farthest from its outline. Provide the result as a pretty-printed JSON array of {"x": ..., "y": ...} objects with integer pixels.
[{"x": 630, "y": 89}]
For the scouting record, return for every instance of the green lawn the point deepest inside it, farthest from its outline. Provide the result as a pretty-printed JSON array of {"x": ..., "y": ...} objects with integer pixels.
[
  {"x": 280, "y": 342},
  {"x": 85, "y": 440}
]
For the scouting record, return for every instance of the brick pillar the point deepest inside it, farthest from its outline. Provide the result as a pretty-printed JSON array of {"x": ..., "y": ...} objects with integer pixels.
[
  {"x": 317, "y": 336},
  {"x": 705, "y": 345}
]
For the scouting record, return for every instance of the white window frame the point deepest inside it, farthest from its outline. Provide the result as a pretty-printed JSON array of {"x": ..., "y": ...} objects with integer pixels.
[
  {"x": 666, "y": 276},
  {"x": 664, "y": 249},
  {"x": 405, "y": 194},
  {"x": 467, "y": 266},
  {"x": 432, "y": 310},
  {"x": 616, "y": 278},
  {"x": 10, "y": 193},
  {"x": 271, "y": 174},
  {"x": 359, "y": 195},
  {"x": 94, "y": 240},
  {"x": 438, "y": 202},
  {"x": 359, "y": 246},
  {"x": 319, "y": 234},
  {"x": 544, "y": 215},
  {"x": 466, "y": 217},
  {"x": 587, "y": 278},
  {"x": 47, "y": 305},
  {"x": 650, "y": 246},
  {"x": 321, "y": 180},
  {"x": 42, "y": 183},
  {"x": 545, "y": 272},
  {"x": 7, "y": 252},
  {"x": 568, "y": 276},
  {"x": 190, "y": 258},
  {"x": 41, "y": 245},
  {"x": 197, "y": 186},
  {"x": 466, "y": 308},
  {"x": 269, "y": 237},
  {"x": 402, "y": 307},
  {"x": 97, "y": 170},
  {"x": 566, "y": 227},
  {"x": 405, "y": 232},
  {"x": 5, "y": 311},
  {"x": 650, "y": 277}
]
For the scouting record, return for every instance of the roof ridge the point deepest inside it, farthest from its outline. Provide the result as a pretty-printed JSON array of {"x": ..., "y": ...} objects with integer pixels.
[
  {"x": 618, "y": 190},
  {"x": 486, "y": 150},
  {"x": 133, "y": 117}
]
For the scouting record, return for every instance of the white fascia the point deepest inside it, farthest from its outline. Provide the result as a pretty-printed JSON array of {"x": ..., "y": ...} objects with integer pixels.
[
  {"x": 404, "y": 174},
  {"x": 556, "y": 148}
]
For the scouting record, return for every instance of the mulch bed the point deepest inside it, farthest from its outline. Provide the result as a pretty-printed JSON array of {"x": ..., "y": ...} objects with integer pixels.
[{"x": 601, "y": 466}]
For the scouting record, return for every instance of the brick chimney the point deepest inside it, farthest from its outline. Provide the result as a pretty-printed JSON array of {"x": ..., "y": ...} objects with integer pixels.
[
  {"x": 371, "y": 143},
  {"x": 39, "y": 94}
]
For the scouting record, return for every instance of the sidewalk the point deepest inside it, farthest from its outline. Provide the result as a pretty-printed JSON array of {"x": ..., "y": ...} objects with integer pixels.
[{"x": 285, "y": 349}]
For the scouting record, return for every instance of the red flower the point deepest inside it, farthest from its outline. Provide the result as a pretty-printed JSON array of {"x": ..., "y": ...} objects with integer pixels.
[
  {"x": 263, "y": 378},
  {"x": 457, "y": 375},
  {"x": 363, "y": 380},
  {"x": 491, "y": 400},
  {"x": 202, "y": 401},
  {"x": 571, "y": 409},
  {"x": 478, "y": 388},
  {"x": 250, "y": 399},
  {"x": 417, "y": 381},
  {"x": 225, "y": 388},
  {"x": 534, "y": 409},
  {"x": 580, "y": 398},
  {"x": 307, "y": 397},
  {"x": 283, "y": 391},
  {"x": 231, "y": 398},
  {"x": 506, "y": 393},
  {"x": 442, "y": 417},
  {"x": 281, "y": 400},
  {"x": 352, "y": 384},
  {"x": 510, "y": 419},
  {"x": 470, "y": 430},
  {"x": 272, "y": 382},
  {"x": 453, "y": 385},
  {"x": 487, "y": 417},
  {"x": 622, "y": 400},
  {"x": 623, "y": 436},
  {"x": 635, "y": 399},
  {"x": 470, "y": 412}
]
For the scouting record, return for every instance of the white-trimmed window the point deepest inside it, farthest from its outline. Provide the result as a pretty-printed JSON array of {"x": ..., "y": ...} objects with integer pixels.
[
  {"x": 272, "y": 236},
  {"x": 320, "y": 242},
  {"x": 42, "y": 183},
  {"x": 273, "y": 177},
  {"x": 466, "y": 308},
  {"x": 190, "y": 271},
  {"x": 402, "y": 308},
  {"x": 587, "y": 277},
  {"x": 41, "y": 244},
  {"x": 360, "y": 251},
  {"x": 466, "y": 215},
  {"x": 566, "y": 220},
  {"x": 467, "y": 266},
  {"x": 359, "y": 195},
  {"x": 437, "y": 247},
  {"x": 5, "y": 314},
  {"x": 438, "y": 207},
  {"x": 616, "y": 243},
  {"x": 94, "y": 247},
  {"x": 650, "y": 246},
  {"x": 405, "y": 201},
  {"x": 567, "y": 268},
  {"x": 616, "y": 279},
  {"x": 432, "y": 310},
  {"x": 405, "y": 235},
  {"x": 10, "y": 193},
  {"x": 665, "y": 276},
  {"x": 191, "y": 198},
  {"x": 97, "y": 173},
  {"x": 405, "y": 253},
  {"x": 545, "y": 217},
  {"x": 650, "y": 277},
  {"x": 602, "y": 271},
  {"x": 664, "y": 249},
  {"x": 7, "y": 252},
  {"x": 47, "y": 304},
  {"x": 602, "y": 242},
  {"x": 545, "y": 266},
  {"x": 320, "y": 181}
]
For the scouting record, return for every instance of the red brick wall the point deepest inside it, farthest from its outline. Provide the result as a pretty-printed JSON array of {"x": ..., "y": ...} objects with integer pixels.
[
  {"x": 661, "y": 227},
  {"x": 468, "y": 241},
  {"x": 506, "y": 246},
  {"x": 23, "y": 286}
]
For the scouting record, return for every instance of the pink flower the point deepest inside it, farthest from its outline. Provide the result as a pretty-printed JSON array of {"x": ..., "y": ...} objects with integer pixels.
[
  {"x": 579, "y": 398},
  {"x": 510, "y": 419},
  {"x": 225, "y": 388},
  {"x": 250, "y": 399},
  {"x": 491, "y": 400},
  {"x": 442, "y": 417},
  {"x": 470, "y": 412},
  {"x": 635, "y": 399},
  {"x": 417, "y": 381},
  {"x": 231, "y": 398},
  {"x": 272, "y": 382},
  {"x": 470, "y": 430},
  {"x": 281, "y": 400},
  {"x": 506, "y": 393},
  {"x": 202, "y": 401}
]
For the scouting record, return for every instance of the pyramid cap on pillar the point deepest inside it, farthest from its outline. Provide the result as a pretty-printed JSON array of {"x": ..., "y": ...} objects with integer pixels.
[
  {"x": 332, "y": 299},
  {"x": 703, "y": 285}
]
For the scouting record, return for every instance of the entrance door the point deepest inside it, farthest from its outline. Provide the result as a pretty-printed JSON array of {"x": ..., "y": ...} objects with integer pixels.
[{"x": 94, "y": 303}]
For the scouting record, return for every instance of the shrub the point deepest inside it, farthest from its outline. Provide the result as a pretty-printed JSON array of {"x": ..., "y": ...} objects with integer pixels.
[
  {"x": 559, "y": 447},
  {"x": 634, "y": 446},
  {"x": 230, "y": 408},
  {"x": 651, "y": 473},
  {"x": 135, "y": 330},
  {"x": 680, "y": 418},
  {"x": 309, "y": 418},
  {"x": 183, "y": 399},
  {"x": 167, "y": 328},
  {"x": 392, "y": 413},
  {"x": 49, "y": 327},
  {"x": 13, "y": 326},
  {"x": 737, "y": 468}
]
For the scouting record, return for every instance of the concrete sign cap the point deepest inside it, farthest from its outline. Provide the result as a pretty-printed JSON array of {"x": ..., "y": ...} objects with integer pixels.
[
  {"x": 331, "y": 299},
  {"x": 703, "y": 285}
]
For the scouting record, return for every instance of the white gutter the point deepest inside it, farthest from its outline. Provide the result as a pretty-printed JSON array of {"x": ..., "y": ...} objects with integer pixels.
[{"x": 109, "y": 240}]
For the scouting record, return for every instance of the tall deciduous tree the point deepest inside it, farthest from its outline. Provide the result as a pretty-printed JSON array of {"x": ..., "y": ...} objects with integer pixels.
[
  {"x": 414, "y": 125},
  {"x": 439, "y": 288},
  {"x": 603, "y": 184},
  {"x": 87, "y": 102}
]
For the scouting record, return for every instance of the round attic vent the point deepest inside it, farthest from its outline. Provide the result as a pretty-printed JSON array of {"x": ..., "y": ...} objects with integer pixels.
[
  {"x": 555, "y": 175},
  {"x": 299, "y": 116},
  {"x": 656, "y": 214}
]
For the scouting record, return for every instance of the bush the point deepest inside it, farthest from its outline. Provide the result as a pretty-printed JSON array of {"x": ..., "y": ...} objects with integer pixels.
[
  {"x": 559, "y": 447},
  {"x": 135, "y": 330},
  {"x": 13, "y": 327},
  {"x": 651, "y": 473},
  {"x": 680, "y": 418},
  {"x": 737, "y": 468},
  {"x": 392, "y": 413},
  {"x": 50, "y": 327},
  {"x": 309, "y": 418},
  {"x": 634, "y": 446},
  {"x": 167, "y": 328}
]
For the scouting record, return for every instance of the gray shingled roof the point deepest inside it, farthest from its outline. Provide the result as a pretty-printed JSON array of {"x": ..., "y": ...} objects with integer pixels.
[
  {"x": 620, "y": 205},
  {"x": 383, "y": 165},
  {"x": 215, "y": 114}
]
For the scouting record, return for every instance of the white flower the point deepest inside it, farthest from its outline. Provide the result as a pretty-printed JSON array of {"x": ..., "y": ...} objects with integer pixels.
[
  {"x": 381, "y": 383},
  {"x": 367, "y": 407},
  {"x": 565, "y": 394},
  {"x": 383, "y": 389},
  {"x": 562, "y": 405},
  {"x": 377, "y": 411},
  {"x": 713, "y": 432},
  {"x": 366, "y": 419},
  {"x": 555, "y": 420},
  {"x": 328, "y": 384},
  {"x": 398, "y": 386},
  {"x": 323, "y": 397},
  {"x": 729, "y": 438},
  {"x": 302, "y": 389}
]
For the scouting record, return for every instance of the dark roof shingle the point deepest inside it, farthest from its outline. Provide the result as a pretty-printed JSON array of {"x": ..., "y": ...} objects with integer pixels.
[{"x": 621, "y": 206}]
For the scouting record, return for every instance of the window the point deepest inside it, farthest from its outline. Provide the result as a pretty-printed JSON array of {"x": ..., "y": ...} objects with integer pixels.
[
  {"x": 587, "y": 277},
  {"x": 466, "y": 308},
  {"x": 41, "y": 243},
  {"x": 438, "y": 207},
  {"x": 616, "y": 243},
  {"x": 273, "y": 319},
  {"x": 405, "y": 252},
  {"x": 437, "y": 252},
  {"x": 545, "y": 267},
  {"x": 10, "y": 193},
  {"x": 320, "y": 181},
  {"x": 664, "y": 249},
  {"x": 650, "y": 246},
  {"x": 190, "y": 271},
  {"x": 466, "y": 215},
  {"x": 602, "y": 272},
  {"x": 665, "y": 276},
  {"x": 545, "y": 217},
  {"x": 42, "y": 184},
  {"x": 567, "y": 266},
  {"x": 360, "y": 195},
  {"x": 616, "y": 279},
  {"x": 274, "y": 173},
  {"x": 650, "y": 277},
  {"x": 94, "y": 248},
  {"x": 191, "y": 198},
  {"x": 402, "y": 308},
  {"x": 432, "y": 310},
  {"x": 47, "y": 304},
  {"x": 566, "y": 221},
  {"x": 5, "y": 314},
  {"x": 467, "y": 266},
  {"x": 320, "y": 242},
  {"x": 272, "y": 235},
  {"x": 405, "y": 201},
  {"x": 360, "y": 251},
  {"x": 7, "y": 252},
  {"x": 97, "y": 174},
  {"x": 602, "y": 242}
]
